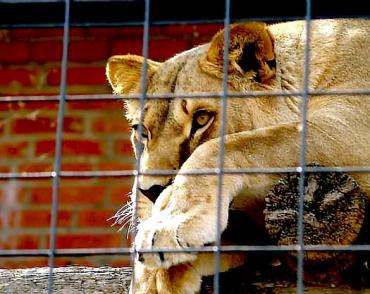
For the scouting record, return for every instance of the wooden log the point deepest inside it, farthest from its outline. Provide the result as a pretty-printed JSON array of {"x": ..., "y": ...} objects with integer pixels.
[
  {"x": 89, "y": 280},
  {"x": 334, "y": 214},
  {"x": 66, "y": 280}
]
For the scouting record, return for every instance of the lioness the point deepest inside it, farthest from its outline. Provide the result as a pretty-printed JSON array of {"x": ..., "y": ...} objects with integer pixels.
[{"x": 183, "y": 134}]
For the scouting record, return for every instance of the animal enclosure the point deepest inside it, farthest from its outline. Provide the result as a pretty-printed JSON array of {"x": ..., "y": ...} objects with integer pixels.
[{"x": 66, "y": 162}]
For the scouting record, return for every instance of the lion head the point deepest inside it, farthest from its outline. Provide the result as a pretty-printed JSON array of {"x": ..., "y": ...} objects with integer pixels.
[{"x": 172, "y": 128}]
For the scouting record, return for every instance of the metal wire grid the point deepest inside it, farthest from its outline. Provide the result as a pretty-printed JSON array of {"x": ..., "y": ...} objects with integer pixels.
[
  {"x": 57, "y": 174},
  {"x": 143, "y": 81}
]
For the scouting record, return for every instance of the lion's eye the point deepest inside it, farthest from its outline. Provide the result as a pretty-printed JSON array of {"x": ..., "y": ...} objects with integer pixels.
[
  {"x": 200, "y": 119},
  {"x": 144, "y": 132}
]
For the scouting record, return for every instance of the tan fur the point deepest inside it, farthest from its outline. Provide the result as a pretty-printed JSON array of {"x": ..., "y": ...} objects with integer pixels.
[{"x": 260, "y": 132}]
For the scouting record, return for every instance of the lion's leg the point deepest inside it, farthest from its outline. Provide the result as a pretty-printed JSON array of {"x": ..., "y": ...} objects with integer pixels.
[
  {"x": 183, "y": 278},
  {"x": 179, "y": 279},
  {"x": 185, "y": 215},
  {"x": 144, "y": 280}
]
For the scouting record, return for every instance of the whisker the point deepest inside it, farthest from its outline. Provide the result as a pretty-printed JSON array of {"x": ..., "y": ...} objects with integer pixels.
[
  {"x": 123, "y": 210},
  {"x": 126, "y": 222},
  {"x": 125, "y": 217}
]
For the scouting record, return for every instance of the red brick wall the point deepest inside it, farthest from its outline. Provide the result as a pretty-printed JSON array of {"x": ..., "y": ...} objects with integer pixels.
[{"x": 95, "y": 136}]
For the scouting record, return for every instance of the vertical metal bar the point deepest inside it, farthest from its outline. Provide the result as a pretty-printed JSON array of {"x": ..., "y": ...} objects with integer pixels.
[
  {"x": 302, "y": 160},
  {"x": 58, "y": 147},
  {"x": 143, "y": 83},
  {"x": 221, "y": 154}
]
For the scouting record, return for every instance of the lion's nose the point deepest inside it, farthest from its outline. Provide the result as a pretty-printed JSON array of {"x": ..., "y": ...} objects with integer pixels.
[
  {"x": 153, "y": 192},
  {"x": 140, "y": 257}
]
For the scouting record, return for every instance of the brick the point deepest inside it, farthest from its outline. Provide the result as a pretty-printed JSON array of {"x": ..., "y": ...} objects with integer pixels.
[
  {"x": 38, "y": 219},
  {"x": 64, "y": 261},
  {"x": 76, "y": 167},
  {"x": 44, "y": 33},
  {"x": 34, "y": 33},
  {"x": 120, "y": 195},
  {"x": 14, "y": 53},
  {"x": 123, "y": 147},
  {"x": 73, "y": 125},
  {"x": 41, "y": 195},
  {"x": 82, "y": 195},
  {"x": 46, "y": 51},
  {"x": 120, "y": 263},
  {"x": 88, "y": 50},
  {"x": 79, "y": 51},
  {"x": 18, "y": 263},
  {"x": 106, "y": 125},
  {"x": 135, "y": 31},
  {"x": 128, "y": 46},
  {"x": 78, "y": 76},
  {"x": 53, "y": 77},
  {"x": 25, "y": 241},
  {"x": 87, "y": 76},
  {"x": 4, "y": 169},
  {"x": 197, "y": 42},
  {"x": 22, "y": 76},
  {"x": 158, "y": 49},
  {"x": 39, "y": 105},
  {"x": 69, "y": 195},
  {"x": 95, "y": 218},
  {"x": 4, "y": 218},
  {"x": 13, "y": 149},
  {"x": 27, "y": 105},
  {"x": 70, "y": 147},
  {"x": 96, "y": 105},
  {"x": 77, "y": 32},
  {"x": 208, "y": 29},
  {"x": 35, "y": 167},
  {"x": 2, "y": 125},
  {"x": 7, "y": 105},
  {"x": 106, "y": 166},
  {"x": 89, "y": 89},
  {"x": 45, "y": 148},
  {"x": 88, "y": 241},
  {"x": 46, "y": 125},
  {"x": 102, "y": 32},
  {"x": 37, "y": 125},
  {"x": 179, "y": 30},
  {"x": 164, "y": 49},
  {"x": 21, "y": 33},
  {"x": 31, "y": 262},
  {"x": 191, "y": 30}
]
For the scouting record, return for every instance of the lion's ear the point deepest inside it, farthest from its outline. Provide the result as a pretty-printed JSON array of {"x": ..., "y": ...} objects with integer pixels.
[
  {"x": 251, "y": 49},
  {"x": 124, "y": 72}
]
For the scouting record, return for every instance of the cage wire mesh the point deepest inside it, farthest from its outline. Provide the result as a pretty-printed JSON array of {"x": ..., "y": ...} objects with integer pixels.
[{"x": 220, "y": 171}]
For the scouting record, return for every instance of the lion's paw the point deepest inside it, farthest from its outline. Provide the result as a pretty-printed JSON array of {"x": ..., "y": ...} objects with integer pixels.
[{"x": 162, "y": 232}]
